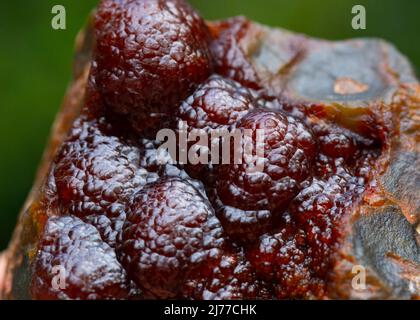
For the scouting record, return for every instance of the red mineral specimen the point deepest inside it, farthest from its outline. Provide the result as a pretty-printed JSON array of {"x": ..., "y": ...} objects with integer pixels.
[{"x": 337, "y": 185}]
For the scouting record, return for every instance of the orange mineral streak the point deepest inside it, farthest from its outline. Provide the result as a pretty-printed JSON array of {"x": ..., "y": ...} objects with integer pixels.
[{"x": 346, "y": 86}]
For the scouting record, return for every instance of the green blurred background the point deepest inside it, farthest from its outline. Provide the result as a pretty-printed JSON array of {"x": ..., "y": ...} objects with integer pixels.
[{"x": 35, "y": 65}]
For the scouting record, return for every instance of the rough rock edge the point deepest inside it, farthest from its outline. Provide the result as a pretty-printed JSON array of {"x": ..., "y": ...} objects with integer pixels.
[{"x": 20, "y": 244}]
